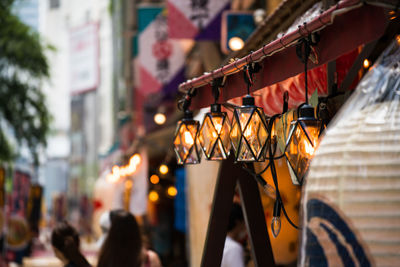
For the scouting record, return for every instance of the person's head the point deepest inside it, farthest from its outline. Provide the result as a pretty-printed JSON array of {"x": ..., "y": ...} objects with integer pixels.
[
  {"x": 123, "y": 245},
  {"x": 65, "y": 242},
  {"x": 236, "y": 224}
]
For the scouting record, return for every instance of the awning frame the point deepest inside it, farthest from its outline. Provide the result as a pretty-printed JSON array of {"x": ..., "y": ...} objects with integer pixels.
[{"x": 333, "y": 25}]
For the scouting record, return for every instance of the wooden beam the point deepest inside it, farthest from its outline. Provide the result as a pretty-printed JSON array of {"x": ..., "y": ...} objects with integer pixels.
[
  {"x": 221, "y": 207},
  {"x": 261, "y": 250},
  {"x": 253, "y": 212}
]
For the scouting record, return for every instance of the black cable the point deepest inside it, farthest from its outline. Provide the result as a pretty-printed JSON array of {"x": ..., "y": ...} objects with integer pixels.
[
  {"x": 274, "y": 174},
  {"x": 278, "y": 196}
]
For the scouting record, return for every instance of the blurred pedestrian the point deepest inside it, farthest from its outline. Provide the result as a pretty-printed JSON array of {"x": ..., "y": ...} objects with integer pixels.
[
  {"x": 233, "y": 255},
  {"x": 65, "y": 242},
  {"x": 123, "y": 246}
]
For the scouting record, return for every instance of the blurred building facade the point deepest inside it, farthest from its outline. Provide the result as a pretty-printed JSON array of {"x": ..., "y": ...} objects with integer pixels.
[{"x": 79, "y": 94}]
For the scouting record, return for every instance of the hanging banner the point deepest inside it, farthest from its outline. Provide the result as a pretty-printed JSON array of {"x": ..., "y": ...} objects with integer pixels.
[
  {"x": 161, "y": 60},
  {"x": 84, "y": 65},
  {"x": 196, "y": 19}
]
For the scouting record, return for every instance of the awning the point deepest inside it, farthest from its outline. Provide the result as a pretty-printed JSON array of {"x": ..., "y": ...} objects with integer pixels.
[{"x": 342, "y": 29}]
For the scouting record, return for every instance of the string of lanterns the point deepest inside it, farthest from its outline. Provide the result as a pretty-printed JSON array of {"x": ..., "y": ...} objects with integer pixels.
[{"x": 251, "y": 135}]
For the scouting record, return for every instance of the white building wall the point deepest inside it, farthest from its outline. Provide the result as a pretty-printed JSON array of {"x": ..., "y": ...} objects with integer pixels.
[{"x": 54, "y": 27}]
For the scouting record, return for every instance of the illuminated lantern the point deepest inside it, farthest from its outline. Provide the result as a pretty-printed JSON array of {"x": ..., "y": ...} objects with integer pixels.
[
  {"x": 185, "y": 143},
  {"x": 302, "y": 143},
  {"x": 249, "y": 131},
  {"x": 214, "y": 134}
]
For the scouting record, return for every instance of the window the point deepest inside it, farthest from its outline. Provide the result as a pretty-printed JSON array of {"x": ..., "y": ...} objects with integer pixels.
[{"x": 54, "y": 4}]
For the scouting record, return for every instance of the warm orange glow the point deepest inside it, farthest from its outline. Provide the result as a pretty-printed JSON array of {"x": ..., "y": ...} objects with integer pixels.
[
  {"x": 153, "y": 196},
  {"x": 307, "y": 148},
  {"x": 123, "y": 171},
  {"x": 135, "y": 160},
  {"x": 115, "y": 170},
  {"x": 112, "y": 178},
  {"x": 235, "y": 43},
  {"x": 130, "y": 170},
  {"x": 366, "y": 63},
  {"x": 188, "y": 138},
  {"x": 128, "y": 184},
  {"x": 172, "y": 191},
  {"x": 218, "y": 127},
  {"x": 163, "y": 169},
  {"x": 248, "y": 132},
  {"x": 154, "y": 179},
  {"x": 159, "y": 118},
  {"x": 398, "y": 39}
]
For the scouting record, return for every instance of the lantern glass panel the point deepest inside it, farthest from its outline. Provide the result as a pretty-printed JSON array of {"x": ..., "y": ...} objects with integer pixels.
[
  {"x": 249, "y": 140},
  {"x": 214, "y": 136},
  {"x": 235, "y": 134},
  {"x": 185, "y": 142},
  {"x": 301, "y": 145}
]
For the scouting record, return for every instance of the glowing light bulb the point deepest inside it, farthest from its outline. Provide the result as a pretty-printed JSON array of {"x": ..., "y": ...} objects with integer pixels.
[
  {"x": 153, "y": 196},
  {"x": 276, "y": 226},
  {"x": 172, "y": 191},
  {"x": 218, "y": 127},
  {"x": 154, "y": 179},
  {"x": 188, "y": 138},
  {"x": 307, "y": 148},
  {"x": 366, "y": 63},
  {"x": 248, "y": 132},
  {"x": 160, "y": 118},
  {"x": 163, "y": 169},
  {"x": 135, "y": 160},
  {"x": 131, "y": 169},
  {"x": 235, "y": 43}
]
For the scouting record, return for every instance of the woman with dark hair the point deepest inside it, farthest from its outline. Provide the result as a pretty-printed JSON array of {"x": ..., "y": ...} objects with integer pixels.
[
  {"x": 123, "y": 246},
  {"x": 65, "y": 242}
]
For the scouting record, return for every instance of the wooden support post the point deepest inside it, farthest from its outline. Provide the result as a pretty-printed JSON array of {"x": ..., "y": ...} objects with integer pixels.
[
  {"x": 261, "y": 250},
  {"x": 229, "y": 174}
]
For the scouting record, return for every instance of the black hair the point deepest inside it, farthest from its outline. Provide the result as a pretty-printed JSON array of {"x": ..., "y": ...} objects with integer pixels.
[
  {"x": 66, "y": 239},
  {"x": 123, "y": 245},
  {"x": 235, "y": 217}
]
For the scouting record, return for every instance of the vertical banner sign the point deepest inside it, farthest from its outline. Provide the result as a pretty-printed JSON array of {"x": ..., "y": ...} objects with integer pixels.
[
  {"x": 196, "y": 19},
  {"x": 84, "y": 54},
  {"x": 161, "y": 59}
]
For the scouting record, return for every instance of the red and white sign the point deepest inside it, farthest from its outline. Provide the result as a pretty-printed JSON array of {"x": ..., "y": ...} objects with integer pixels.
[
  {"x": 189, "y": 19},
  {"x": 160, "y": 58},
  {"x": 84, "y": 67}
]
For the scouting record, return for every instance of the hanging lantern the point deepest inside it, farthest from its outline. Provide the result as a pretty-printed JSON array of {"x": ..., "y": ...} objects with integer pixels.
[
  {"x": 185, "y": 141},
  {"x": 302, "y": 143},
  {"x": 214, "y": 134},
  {"x": 249, "y": 131}
]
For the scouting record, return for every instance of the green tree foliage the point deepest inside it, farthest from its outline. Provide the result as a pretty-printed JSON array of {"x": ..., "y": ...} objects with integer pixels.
[{"x": 23, "y": 66}]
